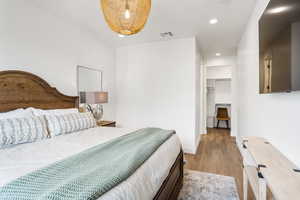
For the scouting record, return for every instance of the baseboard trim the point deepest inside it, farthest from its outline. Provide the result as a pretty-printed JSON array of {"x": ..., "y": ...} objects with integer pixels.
[
  {"x": 189, "y": 151},
  {"x": 193, "y": 151},
  {"x": 198, "y": 142}
]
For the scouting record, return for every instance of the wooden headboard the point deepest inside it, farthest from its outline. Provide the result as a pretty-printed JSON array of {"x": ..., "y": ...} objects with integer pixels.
[{"x": 20, "y": 89}]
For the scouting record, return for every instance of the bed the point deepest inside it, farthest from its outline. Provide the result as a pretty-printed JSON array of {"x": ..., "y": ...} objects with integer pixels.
[{"x": 154, "y": 179}]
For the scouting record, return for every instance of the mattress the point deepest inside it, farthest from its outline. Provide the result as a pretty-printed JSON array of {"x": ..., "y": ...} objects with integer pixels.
[{"x": 143, "y": 184}]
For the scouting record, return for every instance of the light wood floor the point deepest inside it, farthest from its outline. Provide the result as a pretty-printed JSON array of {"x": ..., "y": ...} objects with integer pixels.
[{"x": 219, "y": 154}]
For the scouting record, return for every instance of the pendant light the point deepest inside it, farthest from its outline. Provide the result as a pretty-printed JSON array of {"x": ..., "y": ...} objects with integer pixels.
[{"x": 126, "y": 17}]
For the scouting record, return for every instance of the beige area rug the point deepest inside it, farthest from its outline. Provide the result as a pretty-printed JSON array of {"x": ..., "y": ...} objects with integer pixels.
[{"x": 205, "y": 186}]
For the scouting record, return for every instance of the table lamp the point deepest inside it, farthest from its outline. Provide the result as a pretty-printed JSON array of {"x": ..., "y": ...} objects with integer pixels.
[{"x": 94, "y": 101}]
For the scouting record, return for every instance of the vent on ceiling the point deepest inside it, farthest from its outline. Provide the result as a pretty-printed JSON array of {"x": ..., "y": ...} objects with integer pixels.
[{"x": 166, "y": 34}]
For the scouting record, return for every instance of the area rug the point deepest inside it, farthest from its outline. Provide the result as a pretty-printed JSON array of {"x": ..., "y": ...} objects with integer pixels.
[{"x": 205, "y": 186}]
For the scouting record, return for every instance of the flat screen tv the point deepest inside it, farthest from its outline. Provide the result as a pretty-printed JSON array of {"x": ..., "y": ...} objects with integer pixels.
[{"x": 279, "y": 47}]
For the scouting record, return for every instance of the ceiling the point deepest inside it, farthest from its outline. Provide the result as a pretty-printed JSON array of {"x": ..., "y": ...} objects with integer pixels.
[{"x": 184, "y": 18}]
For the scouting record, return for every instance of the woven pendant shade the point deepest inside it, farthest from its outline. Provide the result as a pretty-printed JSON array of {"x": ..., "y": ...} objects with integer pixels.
[{"x": 126, "y": 17}]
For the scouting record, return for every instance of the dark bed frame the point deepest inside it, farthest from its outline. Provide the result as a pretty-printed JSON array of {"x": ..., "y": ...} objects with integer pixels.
[{"x": 19, "y": 89}]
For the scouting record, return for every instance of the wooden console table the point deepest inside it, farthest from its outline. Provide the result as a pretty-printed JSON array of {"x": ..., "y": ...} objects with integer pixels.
[{"x": 265, "y": 166}]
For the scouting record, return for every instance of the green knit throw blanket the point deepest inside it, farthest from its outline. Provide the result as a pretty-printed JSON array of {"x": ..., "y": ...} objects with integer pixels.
[{"x": 91, "y": 173}]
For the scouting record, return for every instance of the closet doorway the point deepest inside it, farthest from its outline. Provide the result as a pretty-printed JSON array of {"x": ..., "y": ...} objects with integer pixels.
[{"x": 219, "y": 95}]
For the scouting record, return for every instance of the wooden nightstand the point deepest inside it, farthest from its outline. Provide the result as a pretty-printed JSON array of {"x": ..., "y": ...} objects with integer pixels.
[{"x": 107, "y": 123}]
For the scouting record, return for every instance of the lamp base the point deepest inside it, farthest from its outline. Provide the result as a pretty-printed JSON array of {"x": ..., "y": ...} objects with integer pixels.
[{"x": 97, "y": 111}]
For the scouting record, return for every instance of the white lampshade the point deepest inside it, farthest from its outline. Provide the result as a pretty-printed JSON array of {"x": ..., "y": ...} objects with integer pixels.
[{"x": 101, "y": 97}]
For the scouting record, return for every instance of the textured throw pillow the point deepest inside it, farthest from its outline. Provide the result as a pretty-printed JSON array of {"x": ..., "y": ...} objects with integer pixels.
[
  {"x": 68, "y": 123},
  {"x": 22, "y": 130}
]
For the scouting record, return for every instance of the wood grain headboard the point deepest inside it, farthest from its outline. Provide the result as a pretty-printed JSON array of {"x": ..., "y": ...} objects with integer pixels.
[{"x": 20, "y": 89}]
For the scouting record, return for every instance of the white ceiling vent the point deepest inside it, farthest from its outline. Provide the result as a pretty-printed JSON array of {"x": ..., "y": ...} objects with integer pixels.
[{"x": 166, "y": 34}]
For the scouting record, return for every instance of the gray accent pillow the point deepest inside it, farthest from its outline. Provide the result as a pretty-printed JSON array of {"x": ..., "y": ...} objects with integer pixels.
[
  {"x": 68, "y": 123},
  {"x": 22, "y": 130}
]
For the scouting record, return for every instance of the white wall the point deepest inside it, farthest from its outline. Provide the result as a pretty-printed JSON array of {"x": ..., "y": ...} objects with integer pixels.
[
  {"x": 200, "y": 93},
  {"x": 234, "y": 104},
  {"x": 156, "y": 86},
  {"x": 272, "y": 116},
  {"x": 36, "y": 41}
]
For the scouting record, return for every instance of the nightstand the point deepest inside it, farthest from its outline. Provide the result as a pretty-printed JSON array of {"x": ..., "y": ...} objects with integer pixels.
[{"x": 107, "y": 123}]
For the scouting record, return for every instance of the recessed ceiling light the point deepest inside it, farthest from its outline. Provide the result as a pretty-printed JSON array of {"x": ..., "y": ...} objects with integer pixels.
[
  {"x": 278, "y": 10},
  {"x": 213, "y": 21},
  {"x": 121, "y": 36},
  {"x": 218, "y": 54}
]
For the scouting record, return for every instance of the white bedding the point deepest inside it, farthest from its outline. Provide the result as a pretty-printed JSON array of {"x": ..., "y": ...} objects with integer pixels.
[{"x": 142, "y": 185}]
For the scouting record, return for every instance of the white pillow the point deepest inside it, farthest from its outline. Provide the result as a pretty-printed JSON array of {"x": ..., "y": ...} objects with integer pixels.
[
  {"x": 62, "y": 124},
  {"x": 18, "y": 113},
  {"x": 22, "y": 130},
  {"x": 40, "y": 112}
]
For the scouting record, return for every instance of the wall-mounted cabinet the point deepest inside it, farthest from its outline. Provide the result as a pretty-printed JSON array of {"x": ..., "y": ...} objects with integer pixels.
[
  {"x": 211, "y": 84},
  {"x": 223, "y": 91}
]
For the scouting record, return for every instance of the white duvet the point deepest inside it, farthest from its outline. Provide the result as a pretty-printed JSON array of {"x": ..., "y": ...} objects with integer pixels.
[{"x": 142, "y": 185}]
